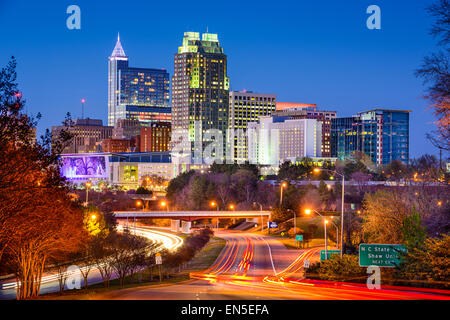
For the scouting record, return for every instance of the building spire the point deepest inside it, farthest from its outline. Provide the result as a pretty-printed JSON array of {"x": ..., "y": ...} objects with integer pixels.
[{"x": 118, "y": 50}]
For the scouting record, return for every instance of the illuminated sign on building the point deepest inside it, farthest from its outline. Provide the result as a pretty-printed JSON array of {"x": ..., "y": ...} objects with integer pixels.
[{"x": 84, "y": 167}]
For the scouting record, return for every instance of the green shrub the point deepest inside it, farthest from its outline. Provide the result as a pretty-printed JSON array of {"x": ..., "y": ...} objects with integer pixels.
[{"x": 336, "y": 268}]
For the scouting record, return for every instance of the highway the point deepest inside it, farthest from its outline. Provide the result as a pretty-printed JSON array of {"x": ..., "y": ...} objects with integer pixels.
[
  {"x": 8, "y": 289},
  {"x": 252, "y": 266}
]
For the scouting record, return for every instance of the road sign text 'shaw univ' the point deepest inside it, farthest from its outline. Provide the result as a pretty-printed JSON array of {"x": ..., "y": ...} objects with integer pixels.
[{"x": 381, "y": 255}]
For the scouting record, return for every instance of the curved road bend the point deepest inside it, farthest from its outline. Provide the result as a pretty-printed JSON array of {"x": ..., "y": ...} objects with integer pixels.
[
  {"x": 50, "y": 281},
  {"x": 252, "y": 266}
]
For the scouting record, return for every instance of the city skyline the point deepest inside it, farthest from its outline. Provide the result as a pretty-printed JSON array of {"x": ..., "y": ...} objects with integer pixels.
[{"x": 371, "y": 82}]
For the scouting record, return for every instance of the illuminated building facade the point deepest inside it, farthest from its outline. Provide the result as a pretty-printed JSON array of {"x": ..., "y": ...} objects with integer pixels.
[
  {"x": 155, "y": 138},
  {"x": 119, "y": 145},
  {"x": 276, "y": 139},
  {"x": 125, "y": 169},
  {"x": 145, "y": 115},
  {"x": 245, "y": 107},
  {"x": 87, "y": 135},
  {"x": 200, "y": 87},
  {"x": 309, "y": 111},
  {"x": 139, "y": 87},
  {"x": 381, "y": 134}
]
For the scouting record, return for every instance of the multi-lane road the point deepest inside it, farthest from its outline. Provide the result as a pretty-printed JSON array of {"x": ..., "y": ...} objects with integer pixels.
[{"x": 252, "y": 266}]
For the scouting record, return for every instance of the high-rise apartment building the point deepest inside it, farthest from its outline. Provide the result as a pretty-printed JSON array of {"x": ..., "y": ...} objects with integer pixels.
[
  {"x": 87, "y": 135},
  {"x": 276, "y": 139},
  {"x": 309, "y": 111},
  {"x": 132, "y": 92},
  {"x": 200, "y": 88},
  {"x": 245, "y": 107},
  {"x": 381, "y": 134}
]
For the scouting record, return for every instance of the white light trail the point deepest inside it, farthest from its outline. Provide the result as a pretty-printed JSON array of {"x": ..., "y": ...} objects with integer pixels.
[{"x": 167, "y": 240}]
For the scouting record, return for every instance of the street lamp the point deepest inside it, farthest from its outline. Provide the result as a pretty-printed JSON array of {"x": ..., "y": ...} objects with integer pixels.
[
  {"x": 164, "y": 204},
  {"x": 139, "y": 203},
  {"x": 316, "y": 170},
  {"x": 261, "y": 209},
  {"x": 282, "y": 186},
  {"x": 88, "y": 186},
  {"x": 308, "y": 211},
  {"x": 214, "y": 204}
]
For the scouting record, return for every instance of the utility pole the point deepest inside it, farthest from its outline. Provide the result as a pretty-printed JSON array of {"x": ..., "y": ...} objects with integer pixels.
[
  {"x": 326, "y": 245},
  {"x": 342, "y": 215}
]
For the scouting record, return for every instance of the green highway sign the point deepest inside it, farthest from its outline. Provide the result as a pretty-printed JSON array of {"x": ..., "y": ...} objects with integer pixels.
[
  {"x": 381, "y": 255},
  {"x": 329, "y": 254},
  {"x": 299, "y": 237}
]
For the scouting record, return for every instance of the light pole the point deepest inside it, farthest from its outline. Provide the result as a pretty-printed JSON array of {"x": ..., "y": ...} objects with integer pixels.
[
  {"x": 308, "y": 211},
  {"x": 342, "y": 204},
  {"x": 82, "y": 107},
  {"x": 231, "y": 207},
  {"x": 337, "y": 234},
  {"x": 325, "y": 221},
  {"x": 214, "y": 204},
  {"x": 138, "y": 204},
  {"x": 295, "y": 223},
  {"x": 260, "y": 209},
  {"x": 88, "y": 185},
  {"x": 164, "y": 204},
  {"x": 282, "y": 186}
]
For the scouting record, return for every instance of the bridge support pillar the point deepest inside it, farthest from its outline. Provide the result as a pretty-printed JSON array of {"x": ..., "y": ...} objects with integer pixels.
[
  {"x": 175, "y": 225},
  {"x": 186, "y": 226}
]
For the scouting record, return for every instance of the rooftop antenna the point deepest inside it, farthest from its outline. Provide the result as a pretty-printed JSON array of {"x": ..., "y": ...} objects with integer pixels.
[
  {"x": 82, "y": 107},
  {"x": 206, "y": 29}
]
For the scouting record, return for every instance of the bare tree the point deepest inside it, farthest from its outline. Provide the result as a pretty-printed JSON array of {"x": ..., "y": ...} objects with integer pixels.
[
  {"x": 127, "y": 254},
  {"x": 435, "y": 69}
]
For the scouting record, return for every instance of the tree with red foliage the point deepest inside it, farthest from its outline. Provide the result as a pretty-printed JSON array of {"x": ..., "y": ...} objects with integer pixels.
[{"x": 38, "y": 220}]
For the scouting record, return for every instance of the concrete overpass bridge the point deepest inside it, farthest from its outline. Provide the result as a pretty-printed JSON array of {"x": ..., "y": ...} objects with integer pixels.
[{"x": 186, "y": 217}]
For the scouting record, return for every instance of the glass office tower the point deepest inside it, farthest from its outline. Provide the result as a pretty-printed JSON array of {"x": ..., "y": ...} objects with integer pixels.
[
  {"x": 380, "y": 133},
  {"x": 200, "y": 87},
  {"x": 127, "y": 86}
]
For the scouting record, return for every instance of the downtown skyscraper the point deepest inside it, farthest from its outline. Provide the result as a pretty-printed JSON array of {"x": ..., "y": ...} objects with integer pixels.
[
  {"x": 382, "y": 134},
  {"x": 200, "y": 88},
  {"x": 136, "y": 93}
]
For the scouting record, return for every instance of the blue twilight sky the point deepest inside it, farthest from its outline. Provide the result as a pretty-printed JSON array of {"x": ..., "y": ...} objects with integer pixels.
[{"x": 303, "y": 51}]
